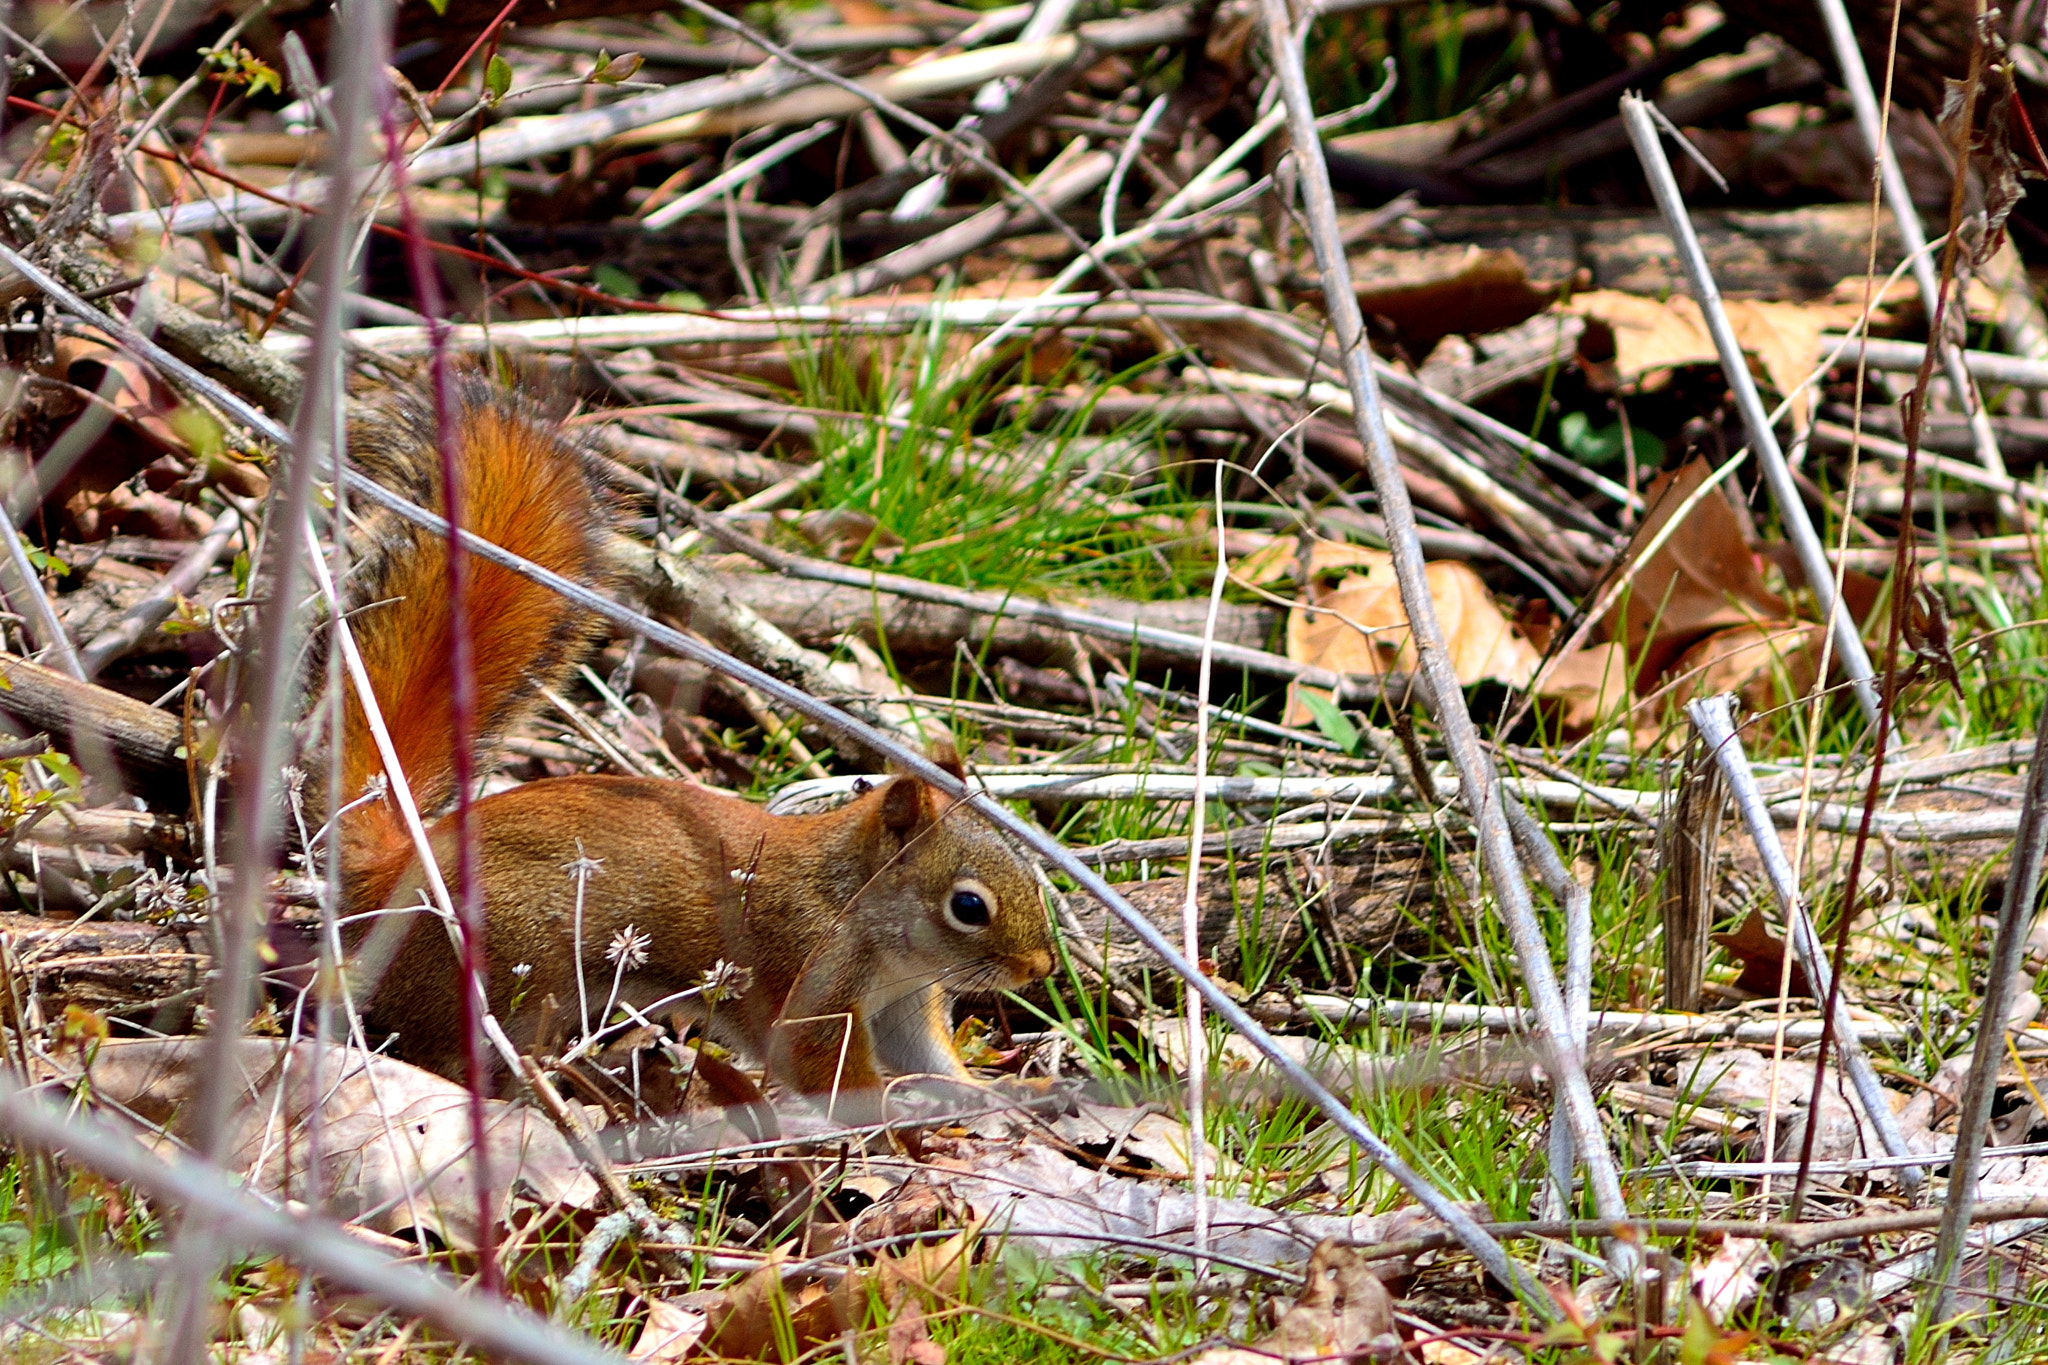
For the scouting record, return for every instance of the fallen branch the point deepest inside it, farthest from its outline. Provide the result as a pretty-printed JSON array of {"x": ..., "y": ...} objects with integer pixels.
[
  {"x": 205, "y": 1191},
  {"x": 1611, "y": 1025},
  {"x": 89, "y": 719}
]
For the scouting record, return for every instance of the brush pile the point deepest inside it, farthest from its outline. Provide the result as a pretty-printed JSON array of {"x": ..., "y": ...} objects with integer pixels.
[{"x": 976, "y": 371}]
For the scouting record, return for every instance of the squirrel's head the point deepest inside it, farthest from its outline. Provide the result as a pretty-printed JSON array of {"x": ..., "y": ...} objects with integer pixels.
[{"x": 950, "y": 898}]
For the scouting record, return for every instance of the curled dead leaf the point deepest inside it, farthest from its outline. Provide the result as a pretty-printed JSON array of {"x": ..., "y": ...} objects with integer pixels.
[
  {"x": 1702, "y": 579},
  {"x": 1767, "y": 664},
  {"x": 394, "y": 1139},
  {"x": 1651, "y": 337},
  {"x": 671, "y": 1332},
  {"x": 1359, "y": 625},
  {"x": 770, "y": 1311},
  {"x": 1585, "y": 686}
]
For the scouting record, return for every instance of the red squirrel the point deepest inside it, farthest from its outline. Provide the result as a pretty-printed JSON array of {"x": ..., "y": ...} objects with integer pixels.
[{"x": 855, "y": 927}]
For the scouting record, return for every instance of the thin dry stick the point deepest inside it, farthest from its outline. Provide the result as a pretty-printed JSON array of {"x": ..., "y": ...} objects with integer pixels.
[
  {"x": 1578, "y": 976},
  {"x": 1476, "y": 775},
  {"x": 2008, "y": 948},
  {"x": 24, "y": 584},
  {"x": 771, "y": 155},
  {"x": 209, "y": 1194},
  {"x": 1897, "y": 197},
  {"x": 1484, "y": 1248},
  {"x": 1642, "y": 131},
  {"x": 1712, "y": 715},
  {"x": 495, "y": 147},
  {"x": 153, "y": 608}
]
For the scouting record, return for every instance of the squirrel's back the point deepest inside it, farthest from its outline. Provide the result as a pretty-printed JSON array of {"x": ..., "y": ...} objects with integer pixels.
[{"x": 522, "y": 485}]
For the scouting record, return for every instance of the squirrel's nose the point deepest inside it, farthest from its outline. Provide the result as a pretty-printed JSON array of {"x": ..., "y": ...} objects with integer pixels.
[{"x": 1033, "y": 966}]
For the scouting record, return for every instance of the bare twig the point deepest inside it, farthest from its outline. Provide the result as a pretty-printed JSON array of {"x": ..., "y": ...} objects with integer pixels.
[
  {"x": 1912, "y": 236},
  {"x": 1476, "y": 775},
  {"x": 2008, "y": 948},
  {"x": 494, "y": 147},
  {"x": 157, "y": 605},
  {"x": 25, "y": 586},
  {"x": 1763, "y": 439},
  {"x": 207, "y": 1193},
  {"x": 264, "y": 736},
  {"x": 1712, "y": 715},
  {"x": 736, "y": 176}
]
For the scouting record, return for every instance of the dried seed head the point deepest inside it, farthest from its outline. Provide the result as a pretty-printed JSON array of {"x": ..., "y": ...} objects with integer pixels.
[
  {"x": 629, "y": 949},
  {"x": 725, "y": 981}
]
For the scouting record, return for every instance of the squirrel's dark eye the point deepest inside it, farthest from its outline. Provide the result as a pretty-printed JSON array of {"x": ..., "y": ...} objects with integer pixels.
[{"x": 968, "y": 910}]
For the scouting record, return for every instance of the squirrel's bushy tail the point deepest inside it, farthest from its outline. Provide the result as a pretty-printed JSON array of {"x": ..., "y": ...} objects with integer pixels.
[{"x": 523, "y": 486}]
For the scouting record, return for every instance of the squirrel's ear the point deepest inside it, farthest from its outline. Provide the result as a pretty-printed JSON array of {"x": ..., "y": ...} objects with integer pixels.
[
  {"x": 905, "y": 806},
  {"x": 944, "y": 755}
]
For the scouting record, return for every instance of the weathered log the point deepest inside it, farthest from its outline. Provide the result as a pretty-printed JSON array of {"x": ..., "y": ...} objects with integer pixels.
[
  {"x": 90, "y": 722},
  {"x": 122, "y": 969},
  {"x": 1784, "y": 254}
]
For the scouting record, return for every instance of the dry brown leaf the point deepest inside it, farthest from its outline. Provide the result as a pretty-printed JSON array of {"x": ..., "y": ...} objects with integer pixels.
[
  {"x": 1762, "y": 956},
  {"x": 671, "y": 1332},
  {"x": 394, "y": 1139},
  {"x": 1271, "y": 563},
  {"x": 1429, "y": 292},
  {"x": 130, "y": 389},
  {"x": 910, "y": 1341},
  {"x": 1901, "y": 303},
  {"x": 766, "y": 1309},
  {"x": 1652, "y": 337},
  {"x": 1360, "y": 625},
  {"x": 1448, "y": 1353},
  {"x": 1767, "y": 664},
  {"x": 1344, "y": 1313},
  {"x": 1048, "y": 1204},
  {"x": 1586, "y": 685},
  {"x": 933, "y": 1270},
  {"x": 1785, "y": 339},
  {"x": 771, "y": 1306},
  {"x": 1649, "y": 337},
  {"x": 1701, "y": 580}
]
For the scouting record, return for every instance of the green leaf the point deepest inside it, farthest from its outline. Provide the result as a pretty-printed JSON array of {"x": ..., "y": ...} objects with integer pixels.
[
  {"x": 46, "y": 562},
  {"x": 63, "y": 769},
  {"x": 1592, "y": 445},
  {"x": 684, "y": 298},
  {"x": 497, "y": 76},
  {"x": 1335, "y": 725},
  {"x": 615, "y": 281}
]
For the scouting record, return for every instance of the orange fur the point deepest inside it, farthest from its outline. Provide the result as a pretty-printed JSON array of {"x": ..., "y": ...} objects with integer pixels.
[{"x": 523, "y": 488}]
